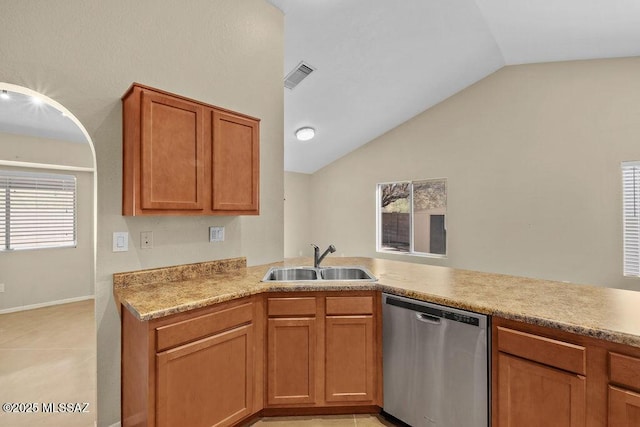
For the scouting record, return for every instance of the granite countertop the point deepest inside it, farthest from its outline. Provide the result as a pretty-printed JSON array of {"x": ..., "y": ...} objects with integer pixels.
[{"x": 605, "y": 313}]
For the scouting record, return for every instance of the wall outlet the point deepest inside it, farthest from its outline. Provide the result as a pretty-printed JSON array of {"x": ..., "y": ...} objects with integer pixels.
[
  {"x": 216, "y": 234},
  {"x": 1, "y": 287},
  {"x": 120, "y": 241},
  {"x": 146, "y": 240}
]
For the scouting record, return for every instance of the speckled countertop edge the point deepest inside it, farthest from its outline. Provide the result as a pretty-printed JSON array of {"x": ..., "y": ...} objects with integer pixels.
[{"x": 603, "y": 313}]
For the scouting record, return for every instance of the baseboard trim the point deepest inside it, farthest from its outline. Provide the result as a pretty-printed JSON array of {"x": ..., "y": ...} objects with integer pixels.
[
  {"x": 325, "y": 410},
  {"x": 46, "y": 304}
]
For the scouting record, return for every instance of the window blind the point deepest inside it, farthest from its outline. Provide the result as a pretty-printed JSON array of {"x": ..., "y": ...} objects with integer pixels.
[
  {"x": 37, "y": 210},
  {"x": 631, "y": 217}
]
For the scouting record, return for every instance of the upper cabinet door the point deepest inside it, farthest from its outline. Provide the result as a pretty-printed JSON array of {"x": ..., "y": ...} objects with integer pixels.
[
  {"x": 172, "y": 153},
  {"x": 235, "y": 163},
  {"x": 184, "y": 157}
]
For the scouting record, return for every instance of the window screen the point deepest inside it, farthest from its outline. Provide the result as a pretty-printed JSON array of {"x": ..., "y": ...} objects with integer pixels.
[
  {"x": 37, "y": 210},
  {"x": 630, "y": 217}
]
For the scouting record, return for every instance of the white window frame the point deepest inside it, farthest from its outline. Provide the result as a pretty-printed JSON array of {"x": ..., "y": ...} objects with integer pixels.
[
  {"x": 631, "y": 218},
  {"x": 60, "y": 215},
  {"x": 411, "y": 252}
]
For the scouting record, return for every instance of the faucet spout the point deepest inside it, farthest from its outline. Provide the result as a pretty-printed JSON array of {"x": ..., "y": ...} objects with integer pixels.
[{"x": 317, "y": 258}]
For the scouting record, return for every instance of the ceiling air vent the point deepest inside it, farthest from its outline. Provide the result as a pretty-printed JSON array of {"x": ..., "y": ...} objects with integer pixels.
[{"x": 298, "y": 74}]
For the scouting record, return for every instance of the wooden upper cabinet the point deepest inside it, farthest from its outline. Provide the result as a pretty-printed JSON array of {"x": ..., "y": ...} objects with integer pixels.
[
  {"x": 184, "y": 157},
  {"x": 236, "y": 162},
  {"x": 172, "y": 160}
]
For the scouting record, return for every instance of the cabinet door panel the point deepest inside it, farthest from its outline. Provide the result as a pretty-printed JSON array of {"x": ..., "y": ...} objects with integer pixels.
[
  {"x": 533, "y": 395},
  {"x": 235, "y": 163},
  {"x": 207, "y": 382},
  {"x": 624, "y": 408},
  {"x": 291, "y": 361},
  {"x": 172, "y": 150},
  {"x": 350, "y": 362}
]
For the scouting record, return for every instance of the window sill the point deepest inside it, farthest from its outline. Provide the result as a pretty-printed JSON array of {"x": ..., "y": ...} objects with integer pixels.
[{"x": 413, "y": 254}]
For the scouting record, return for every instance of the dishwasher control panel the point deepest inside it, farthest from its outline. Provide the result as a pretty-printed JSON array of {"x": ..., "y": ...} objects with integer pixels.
[{"x": 438, "y": 312}]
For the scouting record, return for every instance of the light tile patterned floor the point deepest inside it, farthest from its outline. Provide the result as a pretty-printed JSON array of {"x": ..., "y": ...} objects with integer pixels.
[
  {"x": 48, "y": 355},
  {"x": 325, "y": 420}
]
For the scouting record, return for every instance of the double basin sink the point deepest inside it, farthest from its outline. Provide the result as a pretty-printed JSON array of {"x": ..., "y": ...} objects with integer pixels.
[{"x": 311, "y": 274}]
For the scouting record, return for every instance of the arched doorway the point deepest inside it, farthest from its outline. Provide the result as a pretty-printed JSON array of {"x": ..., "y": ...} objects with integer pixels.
[{"x": 47, "y": 260}]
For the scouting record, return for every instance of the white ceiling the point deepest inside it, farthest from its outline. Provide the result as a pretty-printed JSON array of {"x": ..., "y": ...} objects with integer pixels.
[
  {"x": 19, "y": 115},
  {"x": 381, "y": 62}
]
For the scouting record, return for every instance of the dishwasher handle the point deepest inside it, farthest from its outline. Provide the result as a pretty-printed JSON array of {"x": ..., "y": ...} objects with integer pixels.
[{"x": 427, "y": 318}]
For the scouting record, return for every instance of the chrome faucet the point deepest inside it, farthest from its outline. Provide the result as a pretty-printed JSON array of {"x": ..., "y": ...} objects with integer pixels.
[{"x": 317, "y": 258}]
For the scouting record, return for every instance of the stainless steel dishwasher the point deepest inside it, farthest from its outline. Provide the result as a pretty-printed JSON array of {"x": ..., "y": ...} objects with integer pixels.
[{"x": 436, "y": 364}]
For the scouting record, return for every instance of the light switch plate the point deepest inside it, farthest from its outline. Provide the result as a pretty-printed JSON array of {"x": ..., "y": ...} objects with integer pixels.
[
  {"x": 216, "y": 234},
  {"x": 120, "y": 241},
  {"x": 1, "y": 287}
]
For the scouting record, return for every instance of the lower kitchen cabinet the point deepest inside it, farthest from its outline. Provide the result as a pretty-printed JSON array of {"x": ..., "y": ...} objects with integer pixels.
[
  {"x": 541, "y": 380},
  {"x": 624, "y": 390},
  {"x": 207, "y": 382},
  {"x": 323, "y": 350},
  {"x": 624, "y": 408},
  {"x": 313, "y": 352},
  {"x": 291, "y": 360},
  {"x": 350, "y": 363},
  {"x": 548, "y": 377},
  {"x": 532, "y": 394},
  {"x": 199, "y": 368}
]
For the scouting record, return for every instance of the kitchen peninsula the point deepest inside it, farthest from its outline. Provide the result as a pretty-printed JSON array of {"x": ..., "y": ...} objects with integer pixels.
[{"x": 584, "y": 339}]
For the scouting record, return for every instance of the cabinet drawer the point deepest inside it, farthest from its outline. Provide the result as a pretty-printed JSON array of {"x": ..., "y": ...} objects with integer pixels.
[
  {"x": 558, "y": 354},
  {"x": 208, "y": 324},
  {"x": 624, "y": 370},
  {"x": 303, "y": 306},
  {"x": 349, "y": 305}
]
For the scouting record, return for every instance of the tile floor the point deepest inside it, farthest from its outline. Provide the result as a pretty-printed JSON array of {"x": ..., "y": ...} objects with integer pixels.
[
  {"x": 48, "y": 355},
  {"x": 325, "y": 420}
]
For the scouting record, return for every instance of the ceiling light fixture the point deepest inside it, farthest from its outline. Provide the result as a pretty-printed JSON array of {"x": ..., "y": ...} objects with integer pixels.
[
  {"x": 37, "y": 100},
  {"x": 305, "y": 133},
  {"x": 4, "y": 94}
]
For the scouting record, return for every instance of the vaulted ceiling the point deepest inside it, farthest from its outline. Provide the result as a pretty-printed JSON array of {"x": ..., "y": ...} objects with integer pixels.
[{"x": 380, "y": 62}]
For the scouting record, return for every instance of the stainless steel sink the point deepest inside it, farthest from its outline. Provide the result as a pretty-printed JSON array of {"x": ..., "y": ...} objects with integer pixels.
[
  {"x": 278, "y": 274},
  {"x": 311, "y": 274},
  {"x": 345, "y": 273}
]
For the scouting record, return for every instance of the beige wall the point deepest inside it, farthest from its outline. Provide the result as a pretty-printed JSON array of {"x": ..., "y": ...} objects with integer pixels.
[
  {"x": 22, "y": 148},
  {"x": 532, "y": 157},
  {"x": 49, "y": 275},
  {"x": 86, "y": 54},
  {"x": 297, "y": 214}
]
